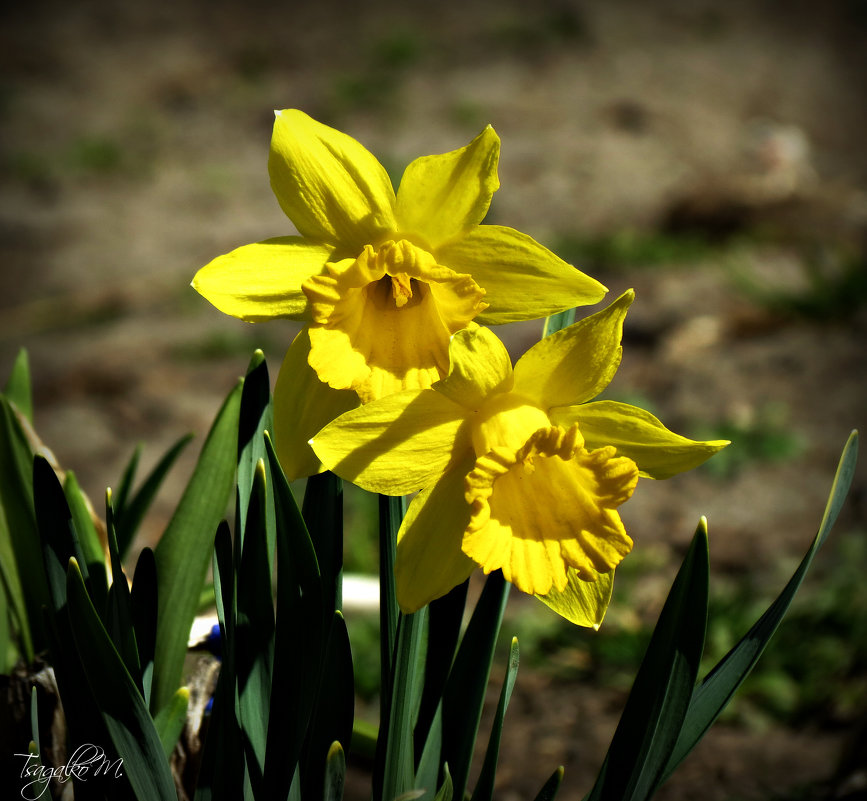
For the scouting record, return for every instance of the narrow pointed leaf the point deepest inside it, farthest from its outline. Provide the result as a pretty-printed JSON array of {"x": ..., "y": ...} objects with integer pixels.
[
  {"x": 88, "y": 539},
  {"x": 391, "y": 512},
  {"x": 322, "y": 510},
  {"x": 17, "y": 389},
  {"x": 660, "y": 694},
  {"x": 131, "y": 514},
  {"x": 121, "y": 705},
  {"x": 183, "y": 553},
  {"x": 557, "y": 322},
  {"x": 445, "y": 616},
  {"x": 254, "y": 633},
  {"x": 395, "y": 750},
  {"x": 550, "y": 787},
  {"x": 334, "y": 711},
  {"x": 715, "y": 691},
  {"x": 170, "y": 720},
  {"x": 299, "y": 637},
  {"x": 145, "y": 603},
  {"x": 465, "y": 691},
  {"x": 12, "y": 594},
  {"x": 484, "y": 790},
  {"x": 16, "y": 496},
  {"x": 127, "y": 479},
  {"x": 335, "y": 773},
  {"x": 119, "y": 620},
  {"x": 446, "y": 792}
]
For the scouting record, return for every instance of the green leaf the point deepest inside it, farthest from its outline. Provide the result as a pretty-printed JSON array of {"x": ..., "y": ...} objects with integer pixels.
[
  {"x": 16, "y": 496},
  {"x": 184, "y": 551},
  {"x": 56, "y": 532},
  {"x": 119, "y": 621},
  {"x": 299, "y": 638},
  {"x": 127, "y": 478},
  {"x": 254, "y": 633},
  {"x": 391, "y": 512},
  {"x": 465, "y": 691},
  {"x": 13, "y": 610},
  {"x": 335, "y": 708},
  {"x": 485, "y": 785},
  {"x": 322, "y": 510},
  {"x": 445, "y": 616},
  {"x": 717, "y": 688},
  {"x": 128, "y": 517},
  {"x": 660, "y": 694},
  {"x": 446, "y": 792},
  {"x": 395, "y": 750},
  {"x": 557, "y": 322},
  {"x": 88, "y": 540},
  {"x": 550, "y": 787},
  {"x": 429, "y": 762},
  {"x": 145, "y": 605},
  {"x": 221, "y": 775},
  {"x": 121, "y": 705},
  {"x": 17, "y": 389},
  {"x": 170, "y": 720},
  {"x": 255, "y": 418},
  {"x": 335, "y": 773}
]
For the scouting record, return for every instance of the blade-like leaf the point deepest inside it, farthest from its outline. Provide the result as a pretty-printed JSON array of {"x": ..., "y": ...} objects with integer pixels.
[
  {"x": 122, "y": 707},
  {"x": 395, "y": 751},
  {"x": 88, "y": 539},
  {"x": 445, "y": 616},
  {"x": 322, "y": 510},
  {"x": 129, "y": 517},
  {"x": 550, "y": 787},
  {"x": 391, "y": 512},
  {"x": 254, "y": 419},
  {"x": 446, "y": 792},
  {"x": 335, "y": 708},
  {"x": 299, "y": 638},
  {"x": 485, "y": 785},
  {"x": 145, "y": 603},
  {"x": 14, "y": 613},
  {"x": 17, "y": 389},
  {"x": 127, "y": 478},
  {"x": 335, "y": 773},
  {"x": 465, "y": 691},
  {"x": 717, "y": 688},
  {"x": 660, "y": 694},
  {"x": 557, "y": 322},
  {"x": 254, "y": 633},
  {"x": 170, "y": 720},
  {"x": 119, "y": 621},
  {"x": 16, "y": 496},
  {"x": 183, "y": 553}
]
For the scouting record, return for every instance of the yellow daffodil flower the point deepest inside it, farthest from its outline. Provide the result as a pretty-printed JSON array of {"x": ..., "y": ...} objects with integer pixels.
[
  {"x": 518, "y": 469},
  {"x": 383, "y": 279}
]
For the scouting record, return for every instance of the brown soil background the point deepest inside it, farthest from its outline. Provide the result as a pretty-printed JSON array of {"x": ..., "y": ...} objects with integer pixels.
[{"x": 134, "y": 145}]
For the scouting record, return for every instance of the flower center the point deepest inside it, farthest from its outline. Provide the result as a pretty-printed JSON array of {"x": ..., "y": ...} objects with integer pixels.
[{"x": 382, "y": 321}]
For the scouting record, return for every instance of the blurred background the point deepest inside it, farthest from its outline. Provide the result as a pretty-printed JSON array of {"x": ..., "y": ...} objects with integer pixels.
[{"x": 709, "y": 155}]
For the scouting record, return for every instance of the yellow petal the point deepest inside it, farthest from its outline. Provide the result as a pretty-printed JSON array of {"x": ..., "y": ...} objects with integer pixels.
[
  {"x": 546, "y": 508},
  {"x": 479, "y": 366},
  {"x": 383, "y": 320},
  {"x": 303, "y": 405},
  {"x": 263, "y": 281},
  {"x": 441, "y": 196},
  {"x": 395, "y": 445},
  {"x": 637, "y": 434},
  {"x": 583, "y": 603},
  {"x": 577, "y": 363},
  {"x": 524, "y": 280},
  {"x": 429, "y": 559},
  {"x": 331, "y": 187}
]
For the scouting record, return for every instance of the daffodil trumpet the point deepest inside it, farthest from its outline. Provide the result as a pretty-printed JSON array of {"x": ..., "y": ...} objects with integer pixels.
[
  {"x": 382, "y": 279},
  {"x": 518, "y": 470}
]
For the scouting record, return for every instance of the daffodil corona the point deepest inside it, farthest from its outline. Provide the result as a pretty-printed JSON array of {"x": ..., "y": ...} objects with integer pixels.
[
  {"x": 518, "y": 470},
  {"x": 383, "y": 279}
]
